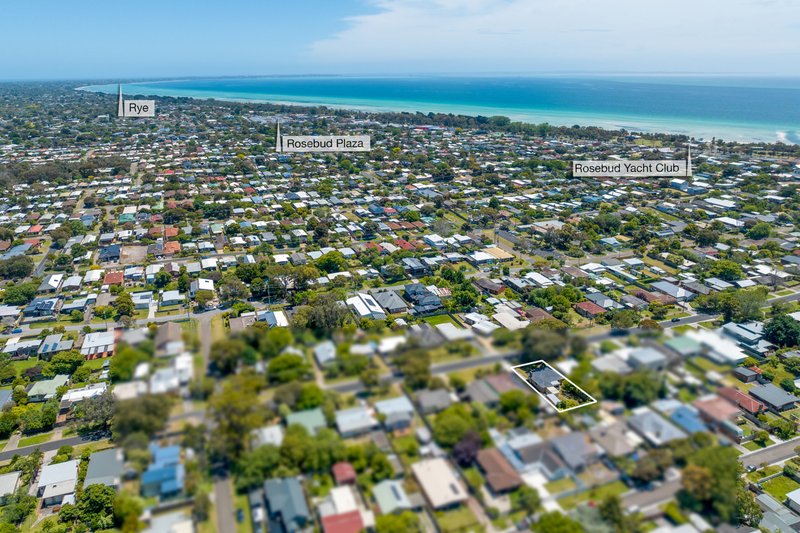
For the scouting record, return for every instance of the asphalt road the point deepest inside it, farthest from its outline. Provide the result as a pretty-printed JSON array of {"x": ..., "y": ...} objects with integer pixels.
[
  {"x": 442, "y": 368},
  {"x": 646, "y": 498},
  {"x": 773, "y": 454},
  {"x": 223, "y": 502},
  {"x": 45, "y": 447}
]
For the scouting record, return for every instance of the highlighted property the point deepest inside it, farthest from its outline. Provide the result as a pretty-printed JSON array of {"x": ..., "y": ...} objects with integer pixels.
[{"x": 558, "y": 390}]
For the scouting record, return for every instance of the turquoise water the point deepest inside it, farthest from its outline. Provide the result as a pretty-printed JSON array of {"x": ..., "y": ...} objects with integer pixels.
[{"x": 734, "y": 109}]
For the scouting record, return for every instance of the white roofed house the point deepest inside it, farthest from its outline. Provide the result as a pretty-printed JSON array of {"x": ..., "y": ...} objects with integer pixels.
[
  {"x": 9, "y": 483},
  {"x": 200, "y": 285},
  {"x": 441, "y": 486},
  {"x": 174, "y": 297},
  {"x": 365, "y": 306},
  {"x": 57, "y": 483},
  {"x": 670, "y": 289},
  {"x": 275, "y": 319},
  {"x": 142, "y": 299},
  {"x": 98, "y": 344},
  {"x": 51, "y": 283},
  {"x": 76, "y": 396},
  {"x": 355, "y": 421}
]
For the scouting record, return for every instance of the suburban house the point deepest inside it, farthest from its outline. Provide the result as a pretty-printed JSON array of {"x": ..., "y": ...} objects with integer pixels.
[
  {"x": 774, "y": 397},
  {"x": 57, "y": 483},
  {"x": 105, "y": 468},
  {"x": 500, "y": 475},
  {"x": 287, "y": 511},
  {"x": 9, "y": 483},
  {"x": 440, "y": 485},
  {"x": 41, "y": 391},
  {"x": 165, "y": 475},
  {"x": 355, "y": 421},
  {"x": 98, "y": 344},
  {"x": 311, "y": 419}
]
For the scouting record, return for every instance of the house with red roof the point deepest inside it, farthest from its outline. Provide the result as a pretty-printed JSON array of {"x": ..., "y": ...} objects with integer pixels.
[
  {"x": 114, "y": 278},
  {"x": 741, "y": 400},
  {"x": 349, "y": 522},
  {"x": 589, "y": 309},
  {"x": 344, "y": 473}
]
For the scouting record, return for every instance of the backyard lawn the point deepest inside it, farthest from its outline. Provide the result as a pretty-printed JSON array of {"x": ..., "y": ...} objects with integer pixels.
[
  {"x": 764, "y": 472},
  {"x": 460, "y": 519},
  {"x": 559, "y": 486},
  {"x": 439, "y": 319},
  {"x": 617, "y": 488},
  {"x": 780, "y": 486}
]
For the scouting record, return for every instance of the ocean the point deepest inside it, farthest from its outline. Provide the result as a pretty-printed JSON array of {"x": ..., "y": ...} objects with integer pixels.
[{"x": 729, "y": 108}]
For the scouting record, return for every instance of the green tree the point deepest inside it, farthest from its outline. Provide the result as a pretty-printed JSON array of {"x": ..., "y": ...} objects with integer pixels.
[
  {"x": 759, "y": 231},
  {"x": 331, "y": 262},
  {"x": 726, "y": 269},
  {"x": 227, "y": 353},
  {"x": 624, "y": 319},
  {"x": 405, "y": 522},
  {"x": 162, "y": 279},
  {"x": 543, "y": 344},
  {"x": 64, "y": 363},
  {"x": 274, "y": 341},
  {"x": 124, "y": 362},
  {"x": 287, "y": 367},
  {"x": 783, "y": 331},
  {"x": 256, "y": 466},
  {"x": 528, "y": 499},
  {"x": 95, "y": 508},
  {"x": 235, "y": 416},
  {"x": 452, "y": 424},
  {"x": 415, "y": 365},
  {"x": 203, "y": 298},
  {"x": 555, "y": 522},
  {"x": 146, "y": 414},
  {"x": 232, "y": 289},
  {"x": 18, "y": 506},
  {"x": 127, "y": 510},
  {"x": 124, "y": 305},
  {"x": 20, "y": 294}
]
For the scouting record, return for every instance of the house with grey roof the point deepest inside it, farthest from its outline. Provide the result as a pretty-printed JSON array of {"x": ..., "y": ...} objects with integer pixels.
[
  {"x": 9, "y": 483},
  {"x": 774, "y": 397},
  {"x": 575, "y": 450},
  {"x": 390, "y": 301},
  {"x": 654, "y": 428},
  {"x": 777, "y": 517},
  {"x": 543, "y": 377},
  {"x": 52, "y": 344},
  {"x": 647, "y": 358},
  {"x": 287, "y": 510},
  {"x": 325, "y": 353},
  {"x": 433, "y": 401},
  {"x": 480, "y": 391},
  {"x": 105, "y": 468},
  {"x": 355, "y": 421}
]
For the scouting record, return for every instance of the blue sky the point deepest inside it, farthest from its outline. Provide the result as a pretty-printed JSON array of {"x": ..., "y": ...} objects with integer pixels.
[{"x": 173, "y": 38}]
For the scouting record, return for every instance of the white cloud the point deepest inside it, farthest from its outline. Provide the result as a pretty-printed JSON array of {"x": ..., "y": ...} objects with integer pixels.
[{"x": 715, "y": 36}]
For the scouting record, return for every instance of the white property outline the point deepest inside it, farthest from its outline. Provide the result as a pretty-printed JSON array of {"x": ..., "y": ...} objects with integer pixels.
[{"x": 542, "y": 361}]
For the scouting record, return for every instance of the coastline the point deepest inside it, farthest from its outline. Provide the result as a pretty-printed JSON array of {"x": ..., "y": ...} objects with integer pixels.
[{"x": 700, "y": 129}]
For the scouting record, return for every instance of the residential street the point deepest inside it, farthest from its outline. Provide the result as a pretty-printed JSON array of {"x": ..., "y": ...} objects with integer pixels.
[
  {"x": 223, "y": 500},
  {"x": 772, "y": 454}
]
